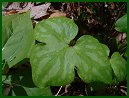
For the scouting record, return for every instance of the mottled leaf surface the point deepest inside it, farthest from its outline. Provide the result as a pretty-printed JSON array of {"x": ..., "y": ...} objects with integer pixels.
[
  {"x": 7, "y": 29},
  {"x": 52, "y": 64},
  {"x": 53, "y": 60},
  {"x": 17, "y": 38},
  {"x": 119, "y": 66},
  {"x": 93, "y": 64}
]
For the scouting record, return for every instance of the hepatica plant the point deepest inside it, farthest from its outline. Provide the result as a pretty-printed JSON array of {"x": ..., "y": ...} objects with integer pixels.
[
  {"x": 17, "y": 38},
  {"x": 54, "y": 60}
]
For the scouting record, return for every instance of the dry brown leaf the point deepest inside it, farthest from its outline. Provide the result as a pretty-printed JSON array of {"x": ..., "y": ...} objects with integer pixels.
[
  {"x": 121, "y": 37},
  {"x": 14, "y": 5},
  {"x": 112, "y": 6},
  {"x": 39, "y": 11},
  {"x": 28, "y": 7},
  {"x": 57, "y": 14},
  {"x": 35, "y": 11}
]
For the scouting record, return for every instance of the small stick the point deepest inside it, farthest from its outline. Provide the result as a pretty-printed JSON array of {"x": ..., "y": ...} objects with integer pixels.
[
  {"x": 58, "y": 91},
  {"x": 86, "y": 91},
  {"x": 123, "y": 86},
  {"x": 123, "y": 91}
]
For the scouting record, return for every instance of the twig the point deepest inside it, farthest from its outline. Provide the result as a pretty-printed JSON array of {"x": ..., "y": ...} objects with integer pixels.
[
  {"x": 123, "y": 91},
  {"x": 123, "y": 86},
  {"x": 86, "y": 91},
  {"x": 78, "y": 9},
  {"x": 58, "y": 91}
]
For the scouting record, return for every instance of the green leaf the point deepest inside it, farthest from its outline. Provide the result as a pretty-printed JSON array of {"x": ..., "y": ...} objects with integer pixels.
[
  {"x": 38, "y": 92},
  {"x": 22, "y": 84},
  {"x": 25, "y": 91},
  {"x": 7, "y": 29},
  {"x": 5, "y": 67},
  {"x": 93, "y": 64},
  {"x": 125, "y": 54},
  {"x": 18, "y": 91},
  {"x": 3, "y": 77},
  {"x": 17, "y": 38},
  {"x": 96, "y": 86},
  {"x": 119, "y": 66},
  {"x": 121, "y": 24},
  {"x": 4, "y": 4},
  {"x": 6, "y": 79},
  {"x": 50, "y": 62},
  {"x": 53, "y": 63},
  {"x": 38, "y": 3},
  {"x": 21, "y": 76}
]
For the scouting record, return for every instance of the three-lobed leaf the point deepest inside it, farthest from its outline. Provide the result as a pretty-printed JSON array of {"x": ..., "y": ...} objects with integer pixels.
[{"x": 53, "y": 63}]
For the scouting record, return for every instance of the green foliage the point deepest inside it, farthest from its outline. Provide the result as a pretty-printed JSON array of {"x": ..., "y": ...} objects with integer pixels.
[
  {"x": 38, "y": 2},
  {"x": 56, "y": 55},
  {"x": 22, "y": 85},
  {"x": 53, "y": 63},
  {"x": 119, "y": 66},
  {"x": 53, "y": 60},
  {"x": 17, "y": 38},
  {"x": 4, "y": 4},
  {"x": 24, "y": 91},
  {"x": 96, "y": 86},
  {"x": 121, "y": 24}
]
